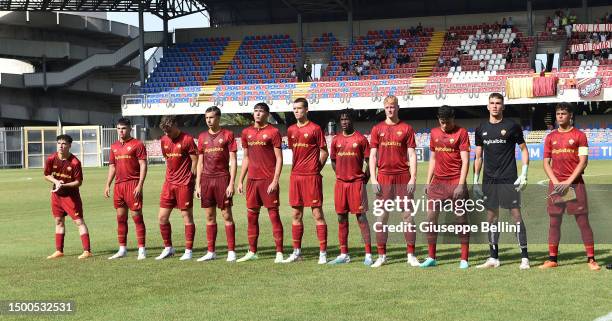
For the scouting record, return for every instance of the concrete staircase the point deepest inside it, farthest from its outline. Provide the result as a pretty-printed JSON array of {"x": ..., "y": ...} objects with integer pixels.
[
  {"x": 427, "y": 63},
  {"x": 219, "y": 70}
]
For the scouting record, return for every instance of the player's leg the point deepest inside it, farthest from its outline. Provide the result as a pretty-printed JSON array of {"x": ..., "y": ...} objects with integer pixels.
[
  {"x": 493, "y": 237},
  {"x": 230, "y": 233},
  {"x": 464, "y": 239},
  {"x": 432, "y": 238},
  {"x": 521, "y": 237},
  {"x": 122, "y": 231},
  {"x": 554, "y": 236},
  {"x": 165, "y": 229},
  {"x": 277, "y": 233},
  {"x": 343, "y": 231},
  {"x": 210, "y": 217},
  {"x": 190, "y": 230},
  {"x": 60, "y": 232},
  {"x": 381, "y": 239},
  {"x": 364, "y": 227},
  {"x": 141, "y": 233},
  {"x": 252, "y": 234},
  {"x": 319, "y": 218},
  {"x": 84, "y": 233},
  {"x": 410, "y": 237},
  {"x": 297, "y": 232},
  {"x": 587, "y": 238}
]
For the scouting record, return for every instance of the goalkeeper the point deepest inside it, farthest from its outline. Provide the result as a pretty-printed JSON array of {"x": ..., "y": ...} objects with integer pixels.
[{"x": 495, "y": 144}]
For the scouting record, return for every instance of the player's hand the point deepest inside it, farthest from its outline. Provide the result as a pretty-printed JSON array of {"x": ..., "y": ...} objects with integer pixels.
[
  {"x": 239, "y": 188},
  {"x": 376, "y": 188},
  {"x": 561, "y": 188},
  {"x": 229, "y": 192},
  {"x": 459, "y": 192},
  {"x": 57, "y": 186},
  {"x": 198, "y": 192},
  {"x": 107, "y": 191},
  {"x": 477, "y": 191},
  {"x": 137, "y": 191},
  {"x": 520, "y": 183},
  {"x": 411, "y": 187},
  {"x": 273, "y": 187},
  {"x": 425, "y": 189}
]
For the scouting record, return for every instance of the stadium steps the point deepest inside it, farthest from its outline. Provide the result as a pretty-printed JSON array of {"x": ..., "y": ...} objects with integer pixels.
[
  {"x": 302, "y": 89},
  {"x": 216, "y": 75},
  {"x": 427, "y": 63}
]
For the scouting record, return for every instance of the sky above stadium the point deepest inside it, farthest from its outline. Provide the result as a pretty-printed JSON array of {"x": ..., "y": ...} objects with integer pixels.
[{"x": 153, "y": 23}]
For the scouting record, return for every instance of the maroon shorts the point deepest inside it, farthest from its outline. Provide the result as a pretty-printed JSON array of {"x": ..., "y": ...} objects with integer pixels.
[
  {"x": 576, "y": 207},
  {"x": 257, "y": 194},
  {"x": 213, "y": 192},
  {"x": 306, "y": 190},
  {"x": 176, "y": 196},
  {"x": 441, "y": 190},
  {"x": 123, "y": 196},
  {"x": 350, "y": 197},
  {"x": 70, "y": 205}
]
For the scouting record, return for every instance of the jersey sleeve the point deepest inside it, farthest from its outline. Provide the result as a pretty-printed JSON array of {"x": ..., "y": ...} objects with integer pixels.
[
  {"x": 231, "y": 142},
  {"x": 141, "y": 151},
  {"x": 582, "y": 140},
  {"x": 243, "y": 140},
  {"x": 478, "y": 136},
  {"x": 77, "y": 173},
  {"x": 290, "y": 138},
  {"x": 163, "y": 150},
  {"x": 374, "y": 137},
  {"x": 410, "y": 138},
  {"x": 547, "y": 147},
  {"x": 464, "y": 141},
  {"x": 190, "y": 146},
  {"x": 201, "y": 144},
  {"x": 276, "y": 139},
  {"x": 111, "y": 156},
  {"x": 49, "y": 166},
  {"x": 431, "y": 141},
  {"x": 332, "y": 149},
  {"x": 321, "y": 142},
  {"x": 518, "y": 134},
  {"x": 365, "y": 146}
]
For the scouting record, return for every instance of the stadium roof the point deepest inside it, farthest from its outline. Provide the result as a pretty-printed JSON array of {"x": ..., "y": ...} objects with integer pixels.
[{"x": 161, "y": 8}]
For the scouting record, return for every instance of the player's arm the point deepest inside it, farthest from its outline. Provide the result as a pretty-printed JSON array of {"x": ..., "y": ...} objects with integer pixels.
[
  {"x": 199, "y": 166},
  {"x": 549, "y": 171},
  {"x": 366, "y": 171},
  {"x": 521, "y": 181},
  {"x": 57, "y": 184},
  {"x": 477, "y": 164},
  {"x": 278, "y": 167},
  {"x": 244, "y": 169},
  {"x": 109, "y": 179},
  {"x": 333, "y": 154},
  {"x": 582, "y": 164},
  {"x": 194, "y": 164},
  {"x": 465, "y": 165},
  {"x": 430, "y": 167},
  {"x": 412, "y": 162},
  {"x": 230, "y": 187},
  {"x": 142, "y": 164},
  {"x": 372, "y": 165},
  {"x": 323, "y": 155}
]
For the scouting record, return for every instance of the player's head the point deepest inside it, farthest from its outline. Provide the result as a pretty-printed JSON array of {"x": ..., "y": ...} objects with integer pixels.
[
  {"x": 563, "y": 114},
  {"x": 169, "y": 124},
  {"x": 261, "y": 111},
  {"x": 345, "y": 118},
  {"x": 446, "y": 118},
  {"x": 63, "y": 143},
  {"x": 391, "y": 107},
  {"x": 300, "y": 108},
  {"x": 212, "y": 116},
  {"x": 496, "y": 104},
  {"x": 124, "y": 127}
]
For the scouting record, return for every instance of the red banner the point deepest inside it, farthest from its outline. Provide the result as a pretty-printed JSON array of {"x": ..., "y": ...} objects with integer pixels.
[
  {"x": 607, "y": 27},
  {"x": 591, "y": 46},
  {"x": 589, "y": 88}
]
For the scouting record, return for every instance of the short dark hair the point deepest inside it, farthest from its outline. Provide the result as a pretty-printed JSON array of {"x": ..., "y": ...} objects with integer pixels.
[
  {"x": 65, "y": 138},
  {"x": 263, "y": 106},
  {"x": 213, "y": 109},
  {"x": 124, "y": 121},
  {"x": 564, "y": 106},
  {"x": 349, "y": 112},
  {"x": 497, "y": 95},
  {"x": 301, "y": 100},
  {"x": 446, "y": 112},
  {"x": 168, "y": 120}
]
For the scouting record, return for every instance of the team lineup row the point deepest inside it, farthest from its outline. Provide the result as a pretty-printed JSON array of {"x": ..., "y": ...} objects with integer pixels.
[{"x": 208, "y": 172}]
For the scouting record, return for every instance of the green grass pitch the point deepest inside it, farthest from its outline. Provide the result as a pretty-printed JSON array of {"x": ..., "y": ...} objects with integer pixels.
[{"x": 149, "y": 290}]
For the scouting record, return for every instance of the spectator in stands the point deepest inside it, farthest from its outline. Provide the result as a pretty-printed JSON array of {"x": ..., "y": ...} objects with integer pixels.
[
  {"x": 345, "y": 66},
  {"x": 516, "y": 43},
  {"x": 401, "y": 42},
  {"x": 603, "y": 36},
  {"x": 556, "y": 23},
  {"x": 455, "y": 61},
  {"x": 370, "y": 54},
  {"x": 564, "y": 21},
  {"x": 358, "y": 69},
  {"x": 441, "y": 61},
  {"x": 483, "y": 65},
  {"x": 504, "y": 23},
  {"x": 572, "y": 18},
  {"x": 293, "y": 72},
  {"x": 496, "y": 26},
  {"x": 378, "y": 44},
  {"x": 509, "y": 56},
  {"x": 419, "y": 29},
  {"x": 366, "y": 64},
  {"x": 489, "y": 36},
  {"x": 568, "y": 30},
  {"x": 510, "y": 23}
]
